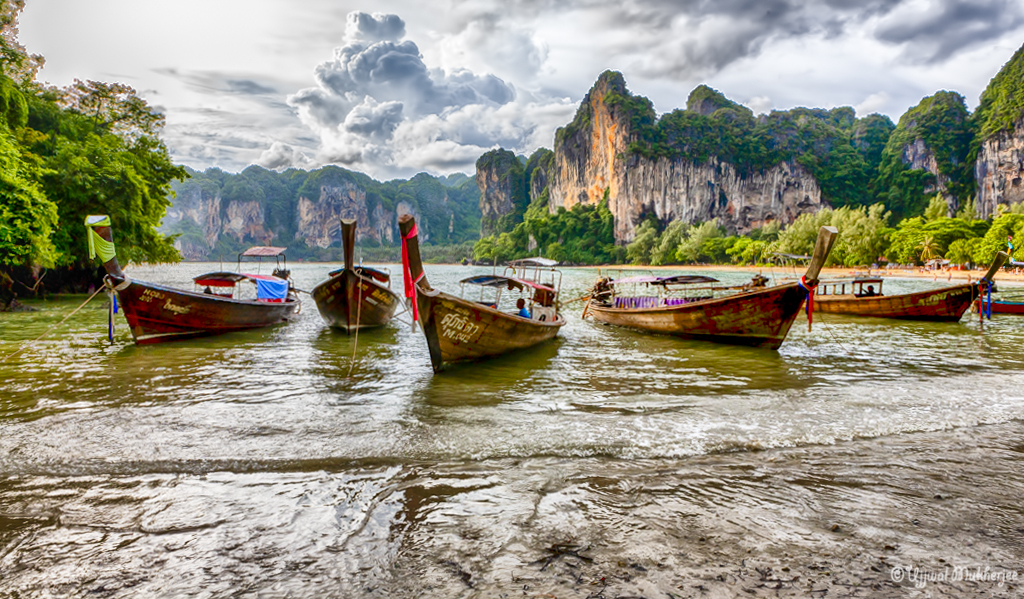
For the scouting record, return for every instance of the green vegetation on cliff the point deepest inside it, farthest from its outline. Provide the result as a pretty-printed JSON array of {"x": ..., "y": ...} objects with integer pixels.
[
  {"x": 583, "y": 235},
  {"x": 942, "y": 126},
  {"x": 1002, "y": 102}
]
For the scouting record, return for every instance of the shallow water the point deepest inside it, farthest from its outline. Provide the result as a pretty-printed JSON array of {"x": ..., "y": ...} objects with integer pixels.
[{"x": 270, "y": 463}]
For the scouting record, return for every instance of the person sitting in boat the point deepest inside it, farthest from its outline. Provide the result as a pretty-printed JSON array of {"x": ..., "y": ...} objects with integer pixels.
[
  {"x": 208, "y": 290},
  {"x": 870, "y": 292},
  {"x": 523, "y": 312}
]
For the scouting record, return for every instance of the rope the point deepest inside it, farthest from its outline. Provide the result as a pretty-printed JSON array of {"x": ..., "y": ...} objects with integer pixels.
[
  {"x": 834, "y": 338},
  {"x": 48, "y": 331},
  {"x": 359, "y": 312}
]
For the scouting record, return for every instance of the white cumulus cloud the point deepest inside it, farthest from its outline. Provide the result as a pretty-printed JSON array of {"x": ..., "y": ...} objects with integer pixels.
[{"x": 378, "y": 107}]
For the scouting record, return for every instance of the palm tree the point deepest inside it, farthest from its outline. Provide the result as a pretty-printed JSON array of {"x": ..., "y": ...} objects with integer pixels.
[{"x": 929, "y": 248}]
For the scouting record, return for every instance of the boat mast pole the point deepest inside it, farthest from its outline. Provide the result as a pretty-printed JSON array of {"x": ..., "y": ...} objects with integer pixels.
[
  {"x": 415, "y": 277},
  {"x": 822, "y": 248},
  {"x": 985, "y": 286},
  {"x": 348, "y": 241}
]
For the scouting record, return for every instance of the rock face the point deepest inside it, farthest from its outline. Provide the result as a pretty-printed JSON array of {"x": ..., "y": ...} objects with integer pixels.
[
  {"x": 199, "y": 207},
  {"x": 999, "y": 170},
  {"x": 319, "y": 219},
  {"x": 595, "y": 159},
  {"x": 499, "y": 175},
  {"x": 918, "y": 156},
  {"x": 245, "y": 222}
]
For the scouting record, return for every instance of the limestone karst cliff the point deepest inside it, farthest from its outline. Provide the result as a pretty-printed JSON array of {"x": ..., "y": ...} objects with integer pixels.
[
  {"x": 216, "y": 214},
  {"x": 503, "y": 193},
  {"x": 927, "y": 154},
  {"x": 614, "y": 149},
  {"x": 999, "y": 137},
  {"x": 1000, "y": 170}
]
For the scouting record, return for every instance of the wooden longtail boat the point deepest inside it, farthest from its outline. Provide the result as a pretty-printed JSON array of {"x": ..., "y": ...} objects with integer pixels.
[
  {"x": 355, "y": 297},
  {"x": 157, "y": 313},
  {"x": 457, "y": 329},
  {"x": 946, "y": 304},
  {"x": 755, "y": 316}
]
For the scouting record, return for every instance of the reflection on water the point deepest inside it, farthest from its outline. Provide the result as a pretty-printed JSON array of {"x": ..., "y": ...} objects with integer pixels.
[{"x": 297, "y": 460}]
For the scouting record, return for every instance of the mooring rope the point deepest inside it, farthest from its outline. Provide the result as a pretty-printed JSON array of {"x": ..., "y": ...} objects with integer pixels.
[
  {"x": 833, "y": 335},
  {"x": 359, "y": 312},
  {"x": 50, "y": 330}
]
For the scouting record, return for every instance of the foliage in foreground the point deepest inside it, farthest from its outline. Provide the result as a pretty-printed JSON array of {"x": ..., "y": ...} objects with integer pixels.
[{"x": 91, "y": 148}]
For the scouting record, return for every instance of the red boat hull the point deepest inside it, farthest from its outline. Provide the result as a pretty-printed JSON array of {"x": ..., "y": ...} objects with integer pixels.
[
  {"x": 939, "y": 305},
  {"x": 759, "y": 318},
  {"x": 157, "y": 314},
  {"x": 1002, "y": 307}
]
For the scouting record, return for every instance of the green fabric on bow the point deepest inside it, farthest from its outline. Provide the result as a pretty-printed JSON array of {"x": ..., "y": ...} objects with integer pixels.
[{"x": 98, "y": 245}]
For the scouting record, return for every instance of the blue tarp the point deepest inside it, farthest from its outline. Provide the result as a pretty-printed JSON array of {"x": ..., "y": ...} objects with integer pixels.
[{"x": 271, "y": 289}]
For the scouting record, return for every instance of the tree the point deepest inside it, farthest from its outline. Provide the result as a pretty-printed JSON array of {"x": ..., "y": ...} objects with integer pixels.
[
  {"x": 665, "y": 251},
  {"x": 15, "y": 62},
  {"x": 639, "y": 251},
  {"x": 929, "y": 248},
  {"x": 937, "y": 208},
  {"x": 27, "y": 216},
  {"x": 689, "y": 249},
  {"x": 961, "y": 250}
]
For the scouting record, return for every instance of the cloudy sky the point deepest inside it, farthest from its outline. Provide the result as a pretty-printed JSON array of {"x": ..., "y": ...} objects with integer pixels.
[{"x": 395, "y": 87}]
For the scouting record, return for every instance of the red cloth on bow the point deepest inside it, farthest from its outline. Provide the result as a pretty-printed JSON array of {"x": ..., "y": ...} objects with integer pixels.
[
  {"x": 410, "y": 284},
  {"x": 810, "y": 299}
]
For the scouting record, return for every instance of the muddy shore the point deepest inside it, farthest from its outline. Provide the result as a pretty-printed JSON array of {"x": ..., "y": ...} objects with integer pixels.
[{"x": 879, "y": 517}]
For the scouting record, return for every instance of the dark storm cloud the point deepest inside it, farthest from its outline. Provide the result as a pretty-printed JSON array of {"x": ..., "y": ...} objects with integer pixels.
[
  {"x": 953, "y": 25},
  {"x": 216, "y": 82},
  {"x": 376, "y": 104},
  {"x": 248, "y": 86},
  {"x": 683, "y": 39}
]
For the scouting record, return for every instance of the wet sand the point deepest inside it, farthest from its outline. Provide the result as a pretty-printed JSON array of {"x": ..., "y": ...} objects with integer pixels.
[{"x": 819, "y": 521}]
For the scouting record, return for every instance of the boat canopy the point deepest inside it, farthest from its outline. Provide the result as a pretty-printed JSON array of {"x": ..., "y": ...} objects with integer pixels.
[
  {"x": 263, "y": 251},
  {"x": 673, "y": 280},
  {"x": 500, "y": 281},
  {"x": 373, "y": 273},
  {"x": 267, "y": 286},
  {"x": 534, "y": 262},
  {"x": 853, "y": 280},
  {"x": 219, "y": 279}
]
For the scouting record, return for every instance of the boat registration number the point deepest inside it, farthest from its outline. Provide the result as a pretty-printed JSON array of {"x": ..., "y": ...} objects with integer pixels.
[
  {"x": 458, "y": 328},
  {"x": 149, "y": 296}
]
